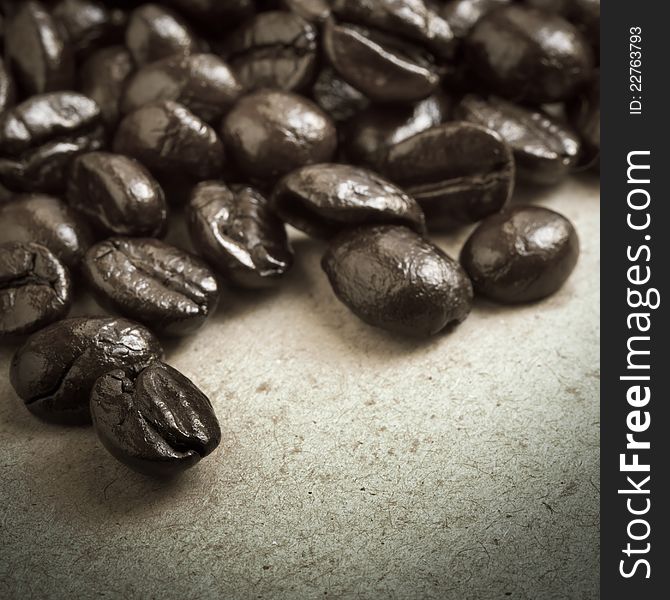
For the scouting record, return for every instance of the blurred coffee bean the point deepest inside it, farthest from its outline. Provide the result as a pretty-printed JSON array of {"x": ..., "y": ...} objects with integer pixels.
[
  {"x": 458, "y": 172},
  {"x": 237, "y": 233},
  {"x": 47, "y": 221},
  {"x": 335, "y": 96},
  {"x": 35, "y": 288},
  {"x": 463, "y": 15},
  {"x": 584, "y": 114},
  {"x": 117, "y": 195},
  {"x": 583, "y": 13},
  {"x": 315, "y": 11},
  {"x": 40, "y": 137},
  {"x": 56, "y": 368},
  {"x": 7, "y": 88},
  {"x": 203, "y": 83}
]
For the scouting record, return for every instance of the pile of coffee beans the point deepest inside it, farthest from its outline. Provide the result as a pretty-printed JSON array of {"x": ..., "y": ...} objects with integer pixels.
[{"x": 364, "y": 124}]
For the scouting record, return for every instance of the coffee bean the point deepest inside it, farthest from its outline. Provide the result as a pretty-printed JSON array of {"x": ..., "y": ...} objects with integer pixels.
[
  {"x": 7, "y": 88},
  {"x": 35, "y": 288},
  {"x": 41, "y": 58},
  {"x": 203, "y": 83},
  {"x": 237, "y": 233},
  {"x": 275, "y": 49},
  {"x": 545, "y": 149},
  {"x": 458, "y": 172},
  {"x": 40, "y": 137},
  {"x": 47, "y": 221},
  {"x": 583, "y": 13},
  {"x": 528, "y": 55},
  {"x": 168, "y": 138},
  {"x": 393, "y": 278},
  {"x": 523, "y": 254},
  {"x": 324, "y": 199},
  {"x": 56, "y": 368},
  {"x": 158, "y": 423},
  {"x": 152, "y": 282},
  {"x": 336, "y": 97},
  {"x": 270, "y": 133},
  {"x": 584, "y": 113},
  {"x": 463, "y": 15},
  {"x": 117, "y": 195},
  {"x": 315, "y": 11},
  {"x": 214, "y": 15}
]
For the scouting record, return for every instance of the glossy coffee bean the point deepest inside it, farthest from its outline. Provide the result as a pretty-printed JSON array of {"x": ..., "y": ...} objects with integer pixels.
[
  {"x": 158, "y": 423},
  {"x": 152, "y": 282},
  {"x": 168, "y": 138},
  {"x": 458, "y": 172},
  {"x": 276, "y": 49},
  {"x": 7, "y": 88},
  {"x": 41, "y": 58},
  {"x": 237, "y": 233},
  {"x": 545, "y": 149},
  {"x": 35, "y": 288},
  {"x": 583, "y": 13},
  {"x": 103, "y": 78},
  {"x": 117, "y": 195},
  {"x": 56, "y": 368},
  {"x": 214, "y": 15},
  {"x": 383, "y": 67},
  {"x": 336, "y": 97},
  {"x": 203, "y": 83},
  {"x": 463, "y": 15},
  {"x": 155, "y": 32},
  {"x": 529, "y": 55},
  {"x": 324, "y": 199},
  {"x": 523, "y": 254},
  {"x": 47, "y": 221},
  {"x": 393, "y": 278},
  {"x": 584, "y": 114},
  {"x": 315, "y": 11},
  {"x": 371, "y": 133},
  {"x": 40, "y": 137},
  {"x": 270, "y": 133}
]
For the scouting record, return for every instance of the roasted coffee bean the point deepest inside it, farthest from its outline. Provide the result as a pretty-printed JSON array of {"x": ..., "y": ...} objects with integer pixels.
[
  {"x": 203, "y": 83},
  {"x": 584, "y": 113},
  {"x": 324, "y": 199},
  {"x": 7, "y": 88},
  {"x": 56, "y": 368},
  {"x": 383, "y": 67},
  {"x": 583, "y": 13},
  {"x": 214, "y": 15},
  {"x": 117, "y": 195},
  {"x": 371, "y": 133},
  {"x": 523, "y": 254},
  {"x": 463, "y": 15},
  {"x": 155, "y": 32},
  {"x": 336, "y": 97},
  {"x": 393, "y": 278},
  {"x": 270, "y": 133},
  {"x": 103, "y": 78},
  {"x": 42, "y": 60},
  {"x": 315, "y": 11},
  {"x": 47, "y": 221},
  {"x": 158, "y": 423},
  {"x": 545, "y": 149},
  {"x": 458, "y": 172},
  {"x": 168, "y": 138},
  {"x": 529, "y": 55},
  {"x": 35, "y": 288},
  {"x": 152, "y": 282},
  {"x": 40, "y": 137},
  {"x": 237, "y": 233},
  {"x": 276, "y": 49}
]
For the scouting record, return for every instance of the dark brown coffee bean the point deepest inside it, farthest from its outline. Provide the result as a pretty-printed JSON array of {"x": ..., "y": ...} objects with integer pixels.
[
  {"x": 583, "y": 13},
  {"x": 463, "y": 15},
  {"x": 393, "y": 278},
  {"x": 35, "y": 288},
  {"x": 203, "y": 83},
  {"x": 584, "y": 113},
  {"x": 40, "y": 137},
  {"x": 523, "y": 254},
  {"x": 117, "y": 195},
  {"x": 47, "y": 221},
  {"x": 270, "y": 133},
  {"x": 324, "y": 199},
  {"x": 7, "y": 88},
  {"x": 545, "y": 149},
  {"x": 42, "y": 60},
  {"x": 336, "y": 97},
  {"x": 56, "y": 368},
  {"x": 152, "y": 282},
  {"x": 237, "y": 233},
  {"x": 168, "y": 138},
  {"x": 458, "y": 172},
  {"x": 529, "y": 55},
  {"x": 158, "y": 423},
  {"x": 315, "y": 11}
]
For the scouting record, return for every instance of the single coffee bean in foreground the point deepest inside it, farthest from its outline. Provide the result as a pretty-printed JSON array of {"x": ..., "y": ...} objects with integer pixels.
[
  {"x": 35, "y": 288},
  {"x": 393, "y": 278},
  {"x": 523, "y": 254},
  {"x": 55, "y": 369},
  {"x": 157, "y": 422},
  {"x": 324, "y": 199},
  {"x": 235, "y": 230},
  {"x": 152, "y": 282}
]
